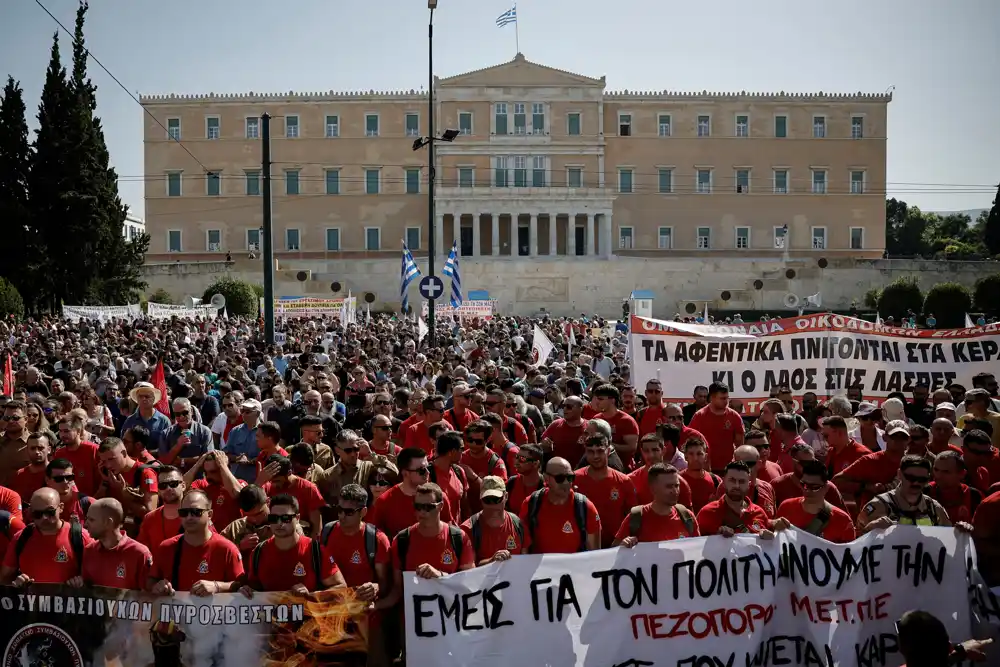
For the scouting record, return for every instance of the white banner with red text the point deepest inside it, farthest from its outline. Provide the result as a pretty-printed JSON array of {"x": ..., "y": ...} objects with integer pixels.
[
  {"x": 483, "y": 309},
  {"x": 701, "y": 602},
  {"x": 824, "y": 354}
]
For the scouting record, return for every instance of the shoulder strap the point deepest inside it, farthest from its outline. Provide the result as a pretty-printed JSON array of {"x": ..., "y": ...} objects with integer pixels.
[
  {"x": 22, "y": 541},
  {"x": 5, "y": 522},
  {"x": 255, "y": 558},
  {"x": 534, "y": 507},
  {"x": 371, "y": 543},
  {"x": 511, "y": 481},
  {"x": 580, "y": 510},
  {"x": 178, "y": 552},
  {"x": 640, "y": 414},
  {"x": 317, "y": 562},
  {"x": 492, "y": 464},
  {"x": 687, "y": 517},
  {"x": 477, "y": 532},
  {"x": 403, "y": 546},
  {"x": 76, "y": 543},
  {"x": 460, "y": 474},
  {"x": 716, "y": 480},
  {"x": 85, "y": 502},
  {"x": 635, "y": 521},
  {"x": 518, "y": 526},
  {"x": 820, "y": 521},
  {"x": 325, "y": 533},
  {"x": 456, "y": 537}
]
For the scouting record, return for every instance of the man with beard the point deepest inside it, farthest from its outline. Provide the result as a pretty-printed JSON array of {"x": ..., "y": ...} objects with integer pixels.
[
  {"x": 789, "y": 485},
  {"x": 31, "y": 477},
  {"x": 734, "y": 513},
  {"x": 252, "y": 528},
  {"x": 811, "y": 512},
  {"x": 164, "y": 522},
  {"x": 611, "y": 492},
  {"x": 113, "y": 560},
  {"x": 131, "y": 483},
  {"x": 48, "y": 550},
  {"x": 219, "y": 484},
  {"x": 495, "y": 533},
  {"x": 312, "y": 400},
  {"x": 61, "y": 478},
  {"x": 906, "y": 504},
  {"x": 651, "y": 447},
  {"x": 663, "y": 518}
]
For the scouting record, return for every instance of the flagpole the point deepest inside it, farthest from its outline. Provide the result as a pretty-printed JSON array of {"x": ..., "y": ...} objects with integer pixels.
[{"x": 517, "y": 37}]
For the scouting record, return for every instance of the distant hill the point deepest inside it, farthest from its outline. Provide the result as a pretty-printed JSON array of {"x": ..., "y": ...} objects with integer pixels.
[{"x": 973, "y": 213}]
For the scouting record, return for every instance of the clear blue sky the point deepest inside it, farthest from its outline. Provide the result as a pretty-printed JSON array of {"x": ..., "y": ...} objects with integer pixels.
[{"x": 942, "y": 57}]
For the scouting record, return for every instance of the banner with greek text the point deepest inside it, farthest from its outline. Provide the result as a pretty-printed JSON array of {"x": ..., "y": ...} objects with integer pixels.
[
  {"x": 102, "y": 313},
  {"x": 164, "y": 311},
  {"x": 305, "y": 306},
  {"x": 60, "y": 626},
  {"x": 702, "y": 602},
  {"x": 483, "y": 309},
  {"x": 824, "y": 354}
]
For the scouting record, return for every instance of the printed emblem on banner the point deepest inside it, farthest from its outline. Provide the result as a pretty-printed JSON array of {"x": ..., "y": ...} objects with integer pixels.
[
  {"x": 121, "y": 571},
  {"x": 62, "y": 556},
  {"x": 203, "y": 567},
  {"x": 300, "y": 570},
  {"x": 355, "y": 557},
  {"x": 567, "y": 528},
  {"x": 614, "y": 494},
  {"x": 42, "y": 644},
  {"x": 447, "y": 558}
]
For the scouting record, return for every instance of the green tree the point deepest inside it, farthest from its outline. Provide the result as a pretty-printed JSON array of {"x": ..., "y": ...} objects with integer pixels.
[
  {"x": 871, "y": 298},
  {"x": 161, "y": 296},
  {"x": 241, "y": 299},
  {"x": 949, "y": 303},
  {"x": 10, "y": 300},
  {"x": 987, "y": 294},
  {"x": 15, "y": 154},
  {"x": 991, "y": 228},
  {"x": 905, "y": 229},
  {"x": 899, "y": 297}
]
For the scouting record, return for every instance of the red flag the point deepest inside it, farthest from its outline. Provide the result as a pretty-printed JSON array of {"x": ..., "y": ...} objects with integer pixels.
[
  {"x": 8, "y": 376},
  {"x": 159, "y": 380}
]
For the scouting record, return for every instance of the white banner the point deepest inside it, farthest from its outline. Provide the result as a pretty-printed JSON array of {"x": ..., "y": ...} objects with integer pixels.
[
  {"x": 824, "y": 354},
  {"x": 483, "y": 309},
  {"x": 702, "y": 602},
  {"x": 164, "y": 311},
  {"x": 102, "y": 313}
]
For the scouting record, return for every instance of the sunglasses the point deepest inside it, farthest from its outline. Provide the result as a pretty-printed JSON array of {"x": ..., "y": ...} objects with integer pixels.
[
  {"x": 171, "y": 484},
  {"x": 420, "y": 471},
  {"x": 812, "y": 487},
  {"x": 752, "y": 462},
  {"x": 385, "y": 402},
  {"x": 350, "y": 450},
  {"x": 347, "y": 511},
  {"x": 60, "y": 479},
  {"x": 281, "y": 518},
  {"x": 563, "y": 477},
  {"x": 476, "y": 441},
  {"x": 196, "y": 512},
  {"x": 492, "y": 500},
  {"x": 47, "y": 513},
  {"x": 916, "y": 479},
  {"x": 380, "y": 481},
  {"x": 425, "y": 507},
  {"x": 379, "y": 427}
]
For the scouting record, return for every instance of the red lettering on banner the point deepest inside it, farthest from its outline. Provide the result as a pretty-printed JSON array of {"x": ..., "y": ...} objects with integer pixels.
[
  {"x": 840, "y": 611},
  {"x": 702, "y": 624}
]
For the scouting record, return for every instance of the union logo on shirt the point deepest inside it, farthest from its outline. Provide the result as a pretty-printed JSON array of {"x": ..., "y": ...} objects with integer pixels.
[
  {"x": 728, "y": 425},
  {"x": 300, "y": 570},
  {"x": 220, "y": 500},
  {"x": 355, "y": 558},
  {"x": 614, "y": 494},
  {"x": 447, "y": 558},
  {"x": 757, "y": 525},
  {"x": 203, "y": 567},
  {"x": 121, "y": 571},
  {"x": 567, "y": 528},
  {"x": 62, "y": 556},
  {"x": 511, "y": 543}
]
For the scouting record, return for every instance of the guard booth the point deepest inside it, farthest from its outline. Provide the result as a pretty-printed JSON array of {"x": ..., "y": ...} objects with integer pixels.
[{"x": 641, "y": 302}]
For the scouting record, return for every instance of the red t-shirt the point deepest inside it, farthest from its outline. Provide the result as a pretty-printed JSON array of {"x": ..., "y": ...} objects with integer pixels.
[
  {"x": 435, "y": 551},
  {"x": 15, "y": 527},
  {"x": 460, "y": 421},
  {"x": 48, "y": 559},
  {"x": 513, "y": 426},
  {"x": 960, "y": 503},
  {"x": 418, "y": 436},
  {"x": 279, "y": 570},
  {"x": 490, "y": 464},
  {"x": 308, "y": 495},
  {"x": 147, "y": 481},
  {"x": 612, "y": 495},
  {"x": 454, "y": 486},
  {"x": 789, "y": 486},
  {"x": 24, "y": 483},
  {"x": 557, "y": 531},
  {"x": 703, "y": 485},
  {"x": 518, "y": 492},
  {"x": 156, "y": 527},
  {"x": 507, "y": 452},
  {"x": 653, "y": 417},
  {"x": 217, "y": 559},
  {"x": 567, "y": 441},
  {"x": 875, "y": 468},
  {"x": 391, "y": 449},
  {"x": 351, "y": 556},
  {"x": 126, "y": 566},
  {"x": 622, "y": 425},
  {"x": 493, "y": 539},
  {"x": 717, "y": 514},
  {"x": 261, "y": 459},
  {"x": 10, "y": 501},
  {"x": 225, "y": 508},
  {"x": 86, "y": 466},
  {"x": 658, "y": 527},
  {"x": 769, "y": 471},
  {"x": 589, "y": 411},
  {"x": 720, "y": 432},
  {"x": 73, "y": 510},
  {"x": 643, "y": 496},
  {"x": 839, "y": 529},
  {"x": 838, "y": 462},
  {"x": 393, "y": 511},
  {"x": 760, "y": 494}
]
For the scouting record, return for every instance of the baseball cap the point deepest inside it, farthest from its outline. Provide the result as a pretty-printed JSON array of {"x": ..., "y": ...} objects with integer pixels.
[
  {"x": 492, "y": 486},
  {"x": 896, "y": 426},
  {"x": 945, "y": 406},
  {"x": 865, "y": 409},
  {"x": 536, "y": 393},
  {"x": 251, "y": 404}
]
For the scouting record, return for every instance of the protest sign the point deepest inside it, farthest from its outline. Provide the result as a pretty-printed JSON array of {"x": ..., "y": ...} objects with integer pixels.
[
  {"x": 824, "y": 354},
  {"x": 482, "y": 308},
  {"x": 164, "y": 311},
  {"x": 305, "y": 306},
  {"x": 702, "y": 602},
  {"x": 60, "y": 626},
  {"x": 102, "y": 313}
]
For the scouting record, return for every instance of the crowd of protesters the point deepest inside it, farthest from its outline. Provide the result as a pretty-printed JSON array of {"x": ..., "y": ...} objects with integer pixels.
[{"x": 190, "y": 455}]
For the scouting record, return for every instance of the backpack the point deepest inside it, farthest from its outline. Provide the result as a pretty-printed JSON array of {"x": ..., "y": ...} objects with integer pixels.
[
  {"x": 5, "y": 518},
  {"x": 371, "y": 539},
  {"x": 314, "y": 548},
  {"x": 85, "y": 503},
  {"x": 139, "y": 469},
  {"x": 456, "y": 470},
  {"x": 895, "y": 512},
  {"x": 454, "y": 536},
  {"x": 511, "y": 429},
  {"x": 492, "y": 464},
  {"x": 477, "y": 531},
  {"x": 507, "y": 447},
  {"x": 635, "y": 520},
  {"x": 820, "y": 521},
  {"x": 511, "y": 483},
  {"x": 579, "y": 512},
  {"x": 75, "y": 541}
]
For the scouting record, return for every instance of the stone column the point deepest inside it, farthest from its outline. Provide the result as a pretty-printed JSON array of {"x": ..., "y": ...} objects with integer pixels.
[
  {"x": 553, "y": 233},
  {"x": 591, "y": 241},
  {"x": 571, "y": 235},
  {"x": 456, "y": 226},
  {"x": 533, "y": 236},
  {"x": 496, "y": 233},
  {"x": 608, "y": 236},
  {"x": 476, "y": 219},
  {"x": 439, "y": 235}
]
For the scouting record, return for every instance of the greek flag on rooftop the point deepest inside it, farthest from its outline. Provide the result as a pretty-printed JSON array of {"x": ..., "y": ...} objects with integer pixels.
[
  {"x": 451, "y": 270},
  {"x": 407, "y": 274},
  {"x": 509, "y": 16}
]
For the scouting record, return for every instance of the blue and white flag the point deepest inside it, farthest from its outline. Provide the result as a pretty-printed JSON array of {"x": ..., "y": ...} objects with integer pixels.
[
  {"x": 407, "y": 274},
  {"x": 452, "y": 271},
  {"x": 509, "y": 16}
]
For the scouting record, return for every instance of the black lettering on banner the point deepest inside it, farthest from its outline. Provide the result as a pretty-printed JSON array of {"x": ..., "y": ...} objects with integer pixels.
[
  {"x": 655, "y": 350},
  {"x": 556, "y": 598},
  {"x": 749, "y": 381},
  {"x": 905, "y": 381},
  {"x": 627, "y": 595},
  {"x": 462, "y": 611},
  {"x": 704, "y": 579},
  {"x": 819, "y": 566},
  {"x": 796, "y": 379},
  {"x": 976, "y": 351},
  {"x": 875, "y": 650},
  {"x": 842, "y": 378},
  {"x": 707, "y": 661},
  {"x": 924, "y": 353},
  {"x": 919, "y": 564},
  {"x": 785, "y": 650},
  {"x": 723, "y": 376}
]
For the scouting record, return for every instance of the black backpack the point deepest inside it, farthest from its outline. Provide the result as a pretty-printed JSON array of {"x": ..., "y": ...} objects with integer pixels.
[
  {"x": 635, "y": 520},
  {"x": 75, "y": 541},
  {"x": 819, "y": 522},
  {"x": 511, "y": 482},
  {"x": 579, "y": 512},
  {"x": 477, "y": 531},
  {"x": 85, "y": 502},
  {"x": 5, "y": 518},
  {"x": 371, "y": 540},
  {"x": 456, "y": 469},
  {"x": 315, "y": 552},
  {"x": 454, "y": 535},
  {"x": 139, "y": 469}
]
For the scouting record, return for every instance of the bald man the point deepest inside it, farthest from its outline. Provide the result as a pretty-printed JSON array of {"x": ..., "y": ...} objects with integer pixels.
[
  {"x": 48, "y": 550},
  {"x": 558, "y": 519},
  {"x": 761, "y": 493},
  {"x": 113, "y": 559}
]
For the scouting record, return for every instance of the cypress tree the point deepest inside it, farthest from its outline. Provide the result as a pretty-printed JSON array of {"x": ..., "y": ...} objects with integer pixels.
[{"x": 15, "y": 153}]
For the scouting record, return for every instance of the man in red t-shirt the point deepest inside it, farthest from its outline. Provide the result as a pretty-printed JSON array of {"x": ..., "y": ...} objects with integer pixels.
[
  {"x": 721, "y": 425},
  {"x": 496, "y": 403},
  {"x": 611, "y": 492},
  {"x": 393, "y": 510},
  {"x": 10, "y": 502},
  {"x": 126, "y": 480},
  {"x": 277, "y": 478},
  {"x": 843, "y": 451},
  {"x": 663, "y": 518},
  {"x": 761, "y": 493},
  {"x": 460, "y": 416},
  {"x": 208, "y": 564},
  {"x": 165, "y": 521},
  {"x": 288, "y": 560},
  {"x": 498, "y": 441},
  {"x": 52, "y": 549},
  {"x": 220, "y": 485},
  {"x": 734, "y": 513},
  {"x": 478, "y": 456},
  {"x": 624, "y": 430},
  {"x": 113, "y": 559},
  {"x": 564, "y": 437},
  {"x": 812, "y": 513},
  {"x": 528, "y": 478},
  {"x": 790, "y": 485},
  {"x": 60, "y": 476},
  {"x": 31, "y": 477},
  {"x": 986, "y": 534},
  {"x": 702, "y": 482},
  {"x": 872, "y": 474},
  {"x": 958, "y": 499},
  {"x": 418, "y": 434},
  {"x": 652, "y": 448},
  {"x": 767, "y": 470},
  {"x": 495, "y": 533},
  {"x": 557, "y": 520},
  {"x": 81, "y": 453}
]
